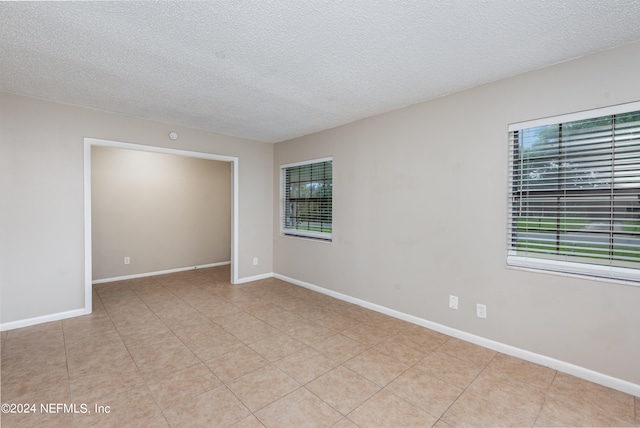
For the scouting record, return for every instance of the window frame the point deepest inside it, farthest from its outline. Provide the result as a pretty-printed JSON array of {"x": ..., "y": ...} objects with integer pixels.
[
  {"x": 299, "y": 233},
  {"x": 552, "y": 264}
]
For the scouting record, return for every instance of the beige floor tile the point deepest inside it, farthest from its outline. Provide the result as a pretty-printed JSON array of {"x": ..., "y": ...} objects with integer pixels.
[
  {"x": 283, "y": 320},
  {"x": 213, "y": 346},
  {"x": 339, "y": 348},
  {"x": 161, "y": 364},
  {"x": 300, "y": 408},
  {"x": 20, "y": 348},
  {"x": 35, "y": 334},
  {"x": 134, "y": 407},
  {"x": 22, "y": 355},
  {"x": 468, "y": 351},
  {"x": 314, "y": 312},
  {"x": 476, "y": 411},
  {"x": 18, "y": 339},
  {"x": 26, "y": 380},
  {"x": 36, "y": 419},
  {"x": 277, "y": 347},
  {"x": 564, "y": 413},
  {"x": 367, "y": 334},
  {"x": 425, "y": 391},
  {"x": 427, "y": 340},
  {"x": 183, "y": 385},
  {"x": 343, "y": 389},
  {"x": 84, "y": 347},
  {"x": 134, "y": 283},
  {"x": 161, "y": 356},
  {"x": 153, "y": 339},
  {"x": 236, "y": 321},
  {"x": 218, "y": 407},
  {"x": 263, "y": 386},
  {"x": 335, "y": 321},
  {"x": 236, "y": 363},
  {"x": 121, "y": 304},
  {"x": 105, "y": 384},
  {"x": 248, "y": 422},
  {"x": 257, "y": 332},
  {"x": 376, "y": 366},
  {"x": 404, "y": 351},
  {"x": 87, "y": 325},
  {"x": 393, "y": 326},
  {"x": 310, "y": 333},
  {"x": 523, "y": 371},
  {"x": 200, "y": 331},
  {"x": 386, "y": 409},
  {"x": 246, "y": 327},
  {"x": 496, "y": 400},
  {"x": 143, "y": 289},
  {"x": 146, "y": 324},
  {"x": 171, "y": 324},
  {"x": 452, "y": 370},
  {"x": 169, "y": 305},
  {"x": 217, "y": 309},
  {"x": 108, "y": 288},
  {"x": 602, "y": 399},
  {"x": 54, "y": 393},
  {"x": 344, "y": 423},
  {"x": 489, "y": 384},
  {"x": 305, "y": 365},
  {"x": 105, "y": 363},
  {"x": 442, "y": 424},
  {"x": 179, "y": 319}
]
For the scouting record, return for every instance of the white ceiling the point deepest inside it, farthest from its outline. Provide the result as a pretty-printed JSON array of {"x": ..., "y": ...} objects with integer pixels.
[{"x": 271, "y": 70}]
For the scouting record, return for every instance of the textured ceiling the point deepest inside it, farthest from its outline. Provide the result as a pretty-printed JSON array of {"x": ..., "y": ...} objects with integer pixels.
[{"x": 274, "y": 70}]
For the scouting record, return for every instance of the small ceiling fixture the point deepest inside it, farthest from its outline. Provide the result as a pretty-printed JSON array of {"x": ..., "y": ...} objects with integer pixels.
[{"x": 173, "y": 135}]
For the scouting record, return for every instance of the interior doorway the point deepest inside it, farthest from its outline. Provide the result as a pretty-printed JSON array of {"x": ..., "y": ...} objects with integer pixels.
[{"x": 90, "y": 143}]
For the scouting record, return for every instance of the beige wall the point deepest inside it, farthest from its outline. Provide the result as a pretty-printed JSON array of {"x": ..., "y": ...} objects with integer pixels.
[
  {"x": 41, "y": 194},
  {"x": 163, "y": 211},
  {"x": 404, "y": 234},
  {"x": 420, "y": 213}
]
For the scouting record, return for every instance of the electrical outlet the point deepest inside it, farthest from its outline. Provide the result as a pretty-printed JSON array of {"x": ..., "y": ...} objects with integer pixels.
[
  {"x": 481, "y": 310},
  {"x": 127, "y": 260},
  {"x": 255, "y": 261},
  {"x": 453, "y": 302}
]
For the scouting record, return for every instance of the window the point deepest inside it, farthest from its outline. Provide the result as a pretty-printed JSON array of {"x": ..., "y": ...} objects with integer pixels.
[
  {"x": 307, "y": 199},
  {"x": 574, "y": 193}
]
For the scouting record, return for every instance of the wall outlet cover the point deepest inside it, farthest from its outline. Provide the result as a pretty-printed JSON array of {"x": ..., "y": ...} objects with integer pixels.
[
  {"x": 481, "y": 310},
  {"x": 453, "y": 302}
]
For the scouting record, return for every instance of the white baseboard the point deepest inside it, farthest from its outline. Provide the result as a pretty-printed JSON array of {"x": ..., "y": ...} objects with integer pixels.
[
  {"x": 160, "y": 272},
  {"x": 12, "y": 325},
  {"x": 562, "y": 366},
  {"x": 254, "y": 278}
]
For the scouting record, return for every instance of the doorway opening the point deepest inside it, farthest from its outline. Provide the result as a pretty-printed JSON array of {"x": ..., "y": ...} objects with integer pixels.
[{"x": 88, "y": 229}]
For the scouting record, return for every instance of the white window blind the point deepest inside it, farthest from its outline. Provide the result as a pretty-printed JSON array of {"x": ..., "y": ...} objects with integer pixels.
[
  {"x": 574, "y": 195},
  {"x": 307, "y": 199}
]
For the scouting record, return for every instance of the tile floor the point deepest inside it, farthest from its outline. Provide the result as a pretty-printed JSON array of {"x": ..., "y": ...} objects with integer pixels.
[{"x": 189, "y": 349}]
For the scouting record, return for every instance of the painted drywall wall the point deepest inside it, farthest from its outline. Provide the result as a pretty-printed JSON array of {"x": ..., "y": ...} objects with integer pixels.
[
  {"x": 41, "y": 192},
  {"x": 420, "y": 212},
  {"x": 162, "y": 211}
]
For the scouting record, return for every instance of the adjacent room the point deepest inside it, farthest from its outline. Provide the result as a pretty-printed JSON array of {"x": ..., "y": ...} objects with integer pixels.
[
  {"x": 164, "y": 211},
  {"x": 277, "y": 214}
]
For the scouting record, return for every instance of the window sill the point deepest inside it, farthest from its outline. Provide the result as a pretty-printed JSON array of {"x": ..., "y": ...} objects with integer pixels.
[
  {"x": 307, "y": 238},
  {"x": 600, "y": 273}
]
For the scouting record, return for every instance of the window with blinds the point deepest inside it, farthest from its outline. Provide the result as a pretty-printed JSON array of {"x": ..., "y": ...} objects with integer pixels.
[
  {"x": 307, "y": 199},
  {"x": 574, "y": 193}
]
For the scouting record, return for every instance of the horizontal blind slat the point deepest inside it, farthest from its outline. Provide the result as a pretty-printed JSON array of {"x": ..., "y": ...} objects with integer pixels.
[{"x": 574, "y": 191}]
